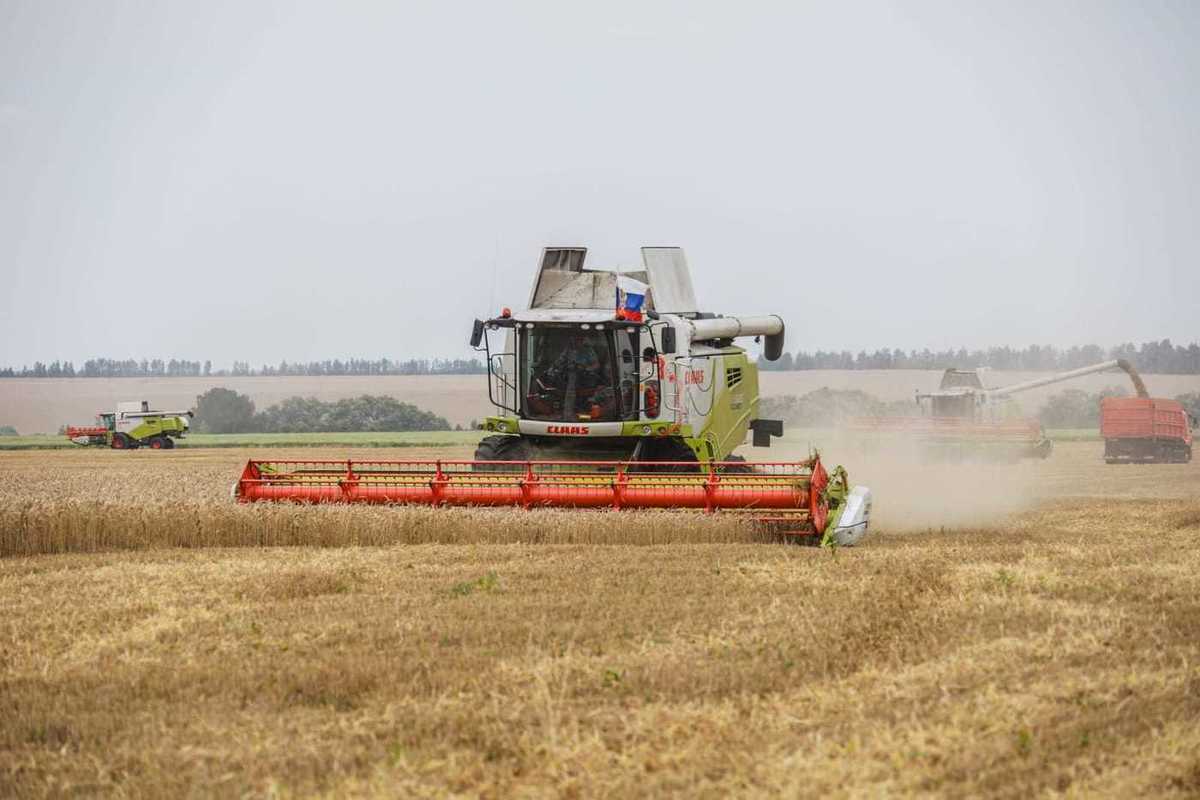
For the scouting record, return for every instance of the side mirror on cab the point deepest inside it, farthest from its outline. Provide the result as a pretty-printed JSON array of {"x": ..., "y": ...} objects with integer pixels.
[
  {"x": 668, "y": 341},
  {"x": 477, "y": 333}
]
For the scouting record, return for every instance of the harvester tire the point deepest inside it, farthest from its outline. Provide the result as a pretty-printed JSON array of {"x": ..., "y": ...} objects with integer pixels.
[
  {"x": 168, "y": 443},
  {"x": 670, "y": 450},
  {"x": 501, "y": 448},
  {"x": 735, "y": 465},
  {"x": 157, "y": 443},
  {"x": 121, "y": 442}
]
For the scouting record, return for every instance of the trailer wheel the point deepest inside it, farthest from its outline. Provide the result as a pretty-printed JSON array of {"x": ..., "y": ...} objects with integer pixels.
[{"x": 168, "y": 443}]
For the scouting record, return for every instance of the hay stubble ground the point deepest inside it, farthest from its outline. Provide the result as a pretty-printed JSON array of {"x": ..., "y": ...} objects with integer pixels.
[{"x": 1041, "y": 646}]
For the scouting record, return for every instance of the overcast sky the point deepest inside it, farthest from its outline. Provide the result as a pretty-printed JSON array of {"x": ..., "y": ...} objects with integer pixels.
[{"x": 261, "y": 181}]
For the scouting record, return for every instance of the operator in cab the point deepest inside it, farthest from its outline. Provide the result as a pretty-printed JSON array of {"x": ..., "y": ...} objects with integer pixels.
[{"x": 578, "y": 376}]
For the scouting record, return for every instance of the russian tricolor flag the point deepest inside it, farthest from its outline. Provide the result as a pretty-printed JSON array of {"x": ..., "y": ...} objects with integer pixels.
[{"x": 631, "y": 296}]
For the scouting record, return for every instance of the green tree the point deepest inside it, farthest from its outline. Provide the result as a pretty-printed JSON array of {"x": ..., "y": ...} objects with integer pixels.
[
  {"x": 381, "y": 413},
  {"x": 1070, "y": 408},
  {"x": 221, "y": 410},
  {"x": 1075, "y": 408},
  {"x": 366, "y": 413},
  {"x": 1191, "y": 403},
  {"x": 294, "y": 415},
  {"x": 8, "y": 430}
]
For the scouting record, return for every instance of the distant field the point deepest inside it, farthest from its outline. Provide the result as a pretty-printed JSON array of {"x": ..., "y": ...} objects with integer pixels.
[
  {"x": 42, "y": 405},
  {"x": 198, "y": 440}
]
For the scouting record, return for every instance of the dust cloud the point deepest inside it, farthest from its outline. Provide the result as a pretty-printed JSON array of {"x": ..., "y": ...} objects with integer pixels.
[{"x": 914, "y": 490}]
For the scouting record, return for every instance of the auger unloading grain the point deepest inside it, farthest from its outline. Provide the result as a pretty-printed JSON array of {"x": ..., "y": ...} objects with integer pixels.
[
  {"x": 965, "y": 418},
  {"x": 612, "y": 390}
]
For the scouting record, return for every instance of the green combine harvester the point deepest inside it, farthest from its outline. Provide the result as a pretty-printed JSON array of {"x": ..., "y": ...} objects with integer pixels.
[
  {"x": 613, "y": 389},
  {"x": 131, "y": 426},
  {"x": 574, "y": 381}
]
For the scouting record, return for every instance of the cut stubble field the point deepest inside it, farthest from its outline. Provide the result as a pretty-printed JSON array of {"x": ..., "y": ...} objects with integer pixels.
[{"x": 1007, "y": 630}]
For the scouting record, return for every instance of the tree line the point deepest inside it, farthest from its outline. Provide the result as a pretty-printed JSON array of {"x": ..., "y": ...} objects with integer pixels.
[
  {"x": 1161, "y": 358},
  {"x": 223, "y": 410},
  {"x": 177, "y": 368}
]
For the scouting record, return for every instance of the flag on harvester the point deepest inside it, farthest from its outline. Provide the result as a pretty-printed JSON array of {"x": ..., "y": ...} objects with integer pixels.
[{"x": 631, "y": 296}]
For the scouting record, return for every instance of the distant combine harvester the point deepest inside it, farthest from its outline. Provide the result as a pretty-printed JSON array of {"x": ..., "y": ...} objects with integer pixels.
[{"x": 131, "y": 426}]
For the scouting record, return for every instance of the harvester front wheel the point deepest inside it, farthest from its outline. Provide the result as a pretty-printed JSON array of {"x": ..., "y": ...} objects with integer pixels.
[
  {"x": 736, "y": 465},
  {"x": 120, "y": 442},
  {"x": 679, "y": 456},
  {"x": 501, "y": 448}
]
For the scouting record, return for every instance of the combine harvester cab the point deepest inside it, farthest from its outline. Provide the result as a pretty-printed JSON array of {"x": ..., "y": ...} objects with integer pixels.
[{"x": 613, "y": 390}]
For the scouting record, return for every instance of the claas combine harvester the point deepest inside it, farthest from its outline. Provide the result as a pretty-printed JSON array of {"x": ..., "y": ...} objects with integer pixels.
[
  {"x": 964, "y": 418},
  {"x": 612, "y": 390},
  {"x": 134, "y": 424}
]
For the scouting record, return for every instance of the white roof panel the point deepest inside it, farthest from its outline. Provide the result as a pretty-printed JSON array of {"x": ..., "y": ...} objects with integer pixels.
[{"x": 670, "y": 280}]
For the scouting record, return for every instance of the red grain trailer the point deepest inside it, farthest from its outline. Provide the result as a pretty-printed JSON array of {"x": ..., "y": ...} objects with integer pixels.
[{"x": 1148, "y": 429}]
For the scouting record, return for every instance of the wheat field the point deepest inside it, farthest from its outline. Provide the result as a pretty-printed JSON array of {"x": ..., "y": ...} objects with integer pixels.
[{"x": 1006, "y": 631}]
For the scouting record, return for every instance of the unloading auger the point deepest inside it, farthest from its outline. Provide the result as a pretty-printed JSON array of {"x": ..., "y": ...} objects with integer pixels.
[{"x": 612, "y": 391}]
